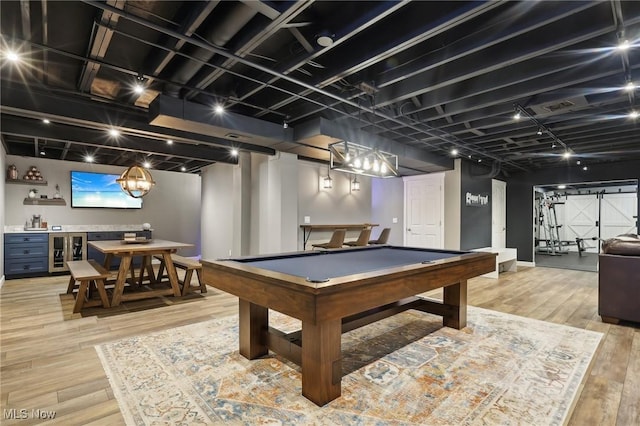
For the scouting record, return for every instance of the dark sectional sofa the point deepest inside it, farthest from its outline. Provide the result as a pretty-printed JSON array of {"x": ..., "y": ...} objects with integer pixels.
[{"x": 619, "y": 279}]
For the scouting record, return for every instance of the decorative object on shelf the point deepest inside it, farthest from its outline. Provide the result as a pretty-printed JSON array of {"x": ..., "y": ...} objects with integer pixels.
[
  {"x": 12, "y": 172},
  {"x": 57, "y": 194},
  {"x": 146, "y": 226},
  {"x": 136, "y": 181},
  {"x": 32, "y": 193},
  {"x": 33, "y": 174},
  {"x": 363, "y": 160}
]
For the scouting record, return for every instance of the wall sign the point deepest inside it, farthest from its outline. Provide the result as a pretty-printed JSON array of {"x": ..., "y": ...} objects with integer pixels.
[{"x": 476, "y": 200}]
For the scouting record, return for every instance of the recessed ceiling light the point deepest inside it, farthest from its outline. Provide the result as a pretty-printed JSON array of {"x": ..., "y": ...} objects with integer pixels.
[
  {"x": 454, "y": 151},
  {"x": 169, "y": 141},
  {"x": 566, "y": 154},
  {"x": 562, "y": 186},
  {"x": 146, "y": 165},
  {"x": 578, "y": 162},
  {"x": 634, "y": 114},
  {"x": 138, "y": 88},
  {"x": 624, "y": 45},
  {"x": 218, "y": 109},
  {"x": 114, "y": 133},
  {"x": 517, "y": 115},
  {"x": 88, "y": 158},
  {"x": 234, "y": 152},
  {"x": 629, "y": 86},
  {"x": 183, "y": 168},
  {"x": 13, "y": 56},
  {"x": 585, "y": 168},
  {"x": 46, "y": 121}
]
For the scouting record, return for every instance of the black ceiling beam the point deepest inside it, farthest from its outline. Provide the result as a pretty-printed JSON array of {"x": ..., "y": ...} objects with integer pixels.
[
  {"x": 382, "y": 10},
  {"x": 353, "y": 65},
  {"x": 26, "y": 127},
  {"x": 96, "y": 115},
  {"x": 244, "y": 61}
]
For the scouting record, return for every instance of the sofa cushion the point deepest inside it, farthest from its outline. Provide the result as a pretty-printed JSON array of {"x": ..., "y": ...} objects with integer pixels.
[{"x": 627, "y": 244}]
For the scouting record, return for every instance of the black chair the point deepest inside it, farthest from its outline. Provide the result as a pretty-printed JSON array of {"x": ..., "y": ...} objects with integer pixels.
[{"x": 382, "y": 238}]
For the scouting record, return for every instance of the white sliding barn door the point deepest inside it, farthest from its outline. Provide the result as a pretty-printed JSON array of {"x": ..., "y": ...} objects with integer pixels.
[
  {"x": 581, "y": 220},
  {"x": 424, "y": 211},
  {"x": 617, "y": 214}
]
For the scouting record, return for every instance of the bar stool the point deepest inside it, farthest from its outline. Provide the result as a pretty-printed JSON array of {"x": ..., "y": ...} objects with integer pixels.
[
  {"x": 362, "y": 240},
  {"x": 337, "y": 238}
]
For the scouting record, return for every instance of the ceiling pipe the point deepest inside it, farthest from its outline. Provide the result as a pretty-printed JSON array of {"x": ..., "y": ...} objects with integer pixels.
[
  {"x": 446, "y": 137},
  {"x": 219, "y": 36}
]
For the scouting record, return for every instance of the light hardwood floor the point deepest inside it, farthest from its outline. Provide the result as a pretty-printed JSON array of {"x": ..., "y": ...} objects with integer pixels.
[{"x": 48, "y": 362}]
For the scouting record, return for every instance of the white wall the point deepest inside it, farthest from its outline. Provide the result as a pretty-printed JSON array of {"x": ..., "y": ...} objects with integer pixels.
[
  {"x": 218, "y": 217},
  {"x": 337, "y": 205},
  {"x": 452, "y": 202},
  {"x": 172, "y": 207},
  {"x": 387, "y": 202}
]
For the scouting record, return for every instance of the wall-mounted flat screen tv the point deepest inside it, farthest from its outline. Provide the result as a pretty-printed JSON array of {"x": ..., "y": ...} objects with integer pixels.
[{"x": 100, "y": 190}]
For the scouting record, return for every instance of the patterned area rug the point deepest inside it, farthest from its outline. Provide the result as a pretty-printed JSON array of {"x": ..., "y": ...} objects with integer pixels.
[{"x": 404, "y": 370}]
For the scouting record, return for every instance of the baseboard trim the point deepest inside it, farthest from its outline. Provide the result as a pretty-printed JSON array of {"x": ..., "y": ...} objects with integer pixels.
[{"x": 523, "y": 263}]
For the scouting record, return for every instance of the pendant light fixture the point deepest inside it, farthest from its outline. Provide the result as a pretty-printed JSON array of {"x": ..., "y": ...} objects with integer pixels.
[{"x": 136, "y": 181}]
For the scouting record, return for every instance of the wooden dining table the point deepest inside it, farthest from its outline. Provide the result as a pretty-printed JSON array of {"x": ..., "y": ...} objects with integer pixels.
[{"x": 126, "y": 250}]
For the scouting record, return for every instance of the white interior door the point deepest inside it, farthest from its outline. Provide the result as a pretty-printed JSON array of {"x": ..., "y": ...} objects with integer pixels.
[
  {"x": 498, "y": 213},
  {"x": 617, "y": 213},
  {"x": 424, "y": 206},
  {"x": 581, "y": 217}
]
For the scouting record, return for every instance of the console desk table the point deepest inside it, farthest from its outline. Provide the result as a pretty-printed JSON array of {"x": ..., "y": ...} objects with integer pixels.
[{"x": 308, "y": 228}]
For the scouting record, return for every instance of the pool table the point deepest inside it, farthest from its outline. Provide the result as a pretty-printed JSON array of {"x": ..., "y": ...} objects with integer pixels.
[{"x": 335, "y": 291}]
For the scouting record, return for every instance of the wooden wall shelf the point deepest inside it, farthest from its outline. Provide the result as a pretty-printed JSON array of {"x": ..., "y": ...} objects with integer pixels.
[
  {"x": 44, "y": 201},
  {"x": 27, "y": 182}
]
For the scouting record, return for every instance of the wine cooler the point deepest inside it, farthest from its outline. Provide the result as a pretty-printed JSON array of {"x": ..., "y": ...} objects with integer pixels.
[{"x": 65, "y": 246}]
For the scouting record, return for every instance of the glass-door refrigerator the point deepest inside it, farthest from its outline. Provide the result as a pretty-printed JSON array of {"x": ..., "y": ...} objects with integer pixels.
[{"x": 65, "y": 246}]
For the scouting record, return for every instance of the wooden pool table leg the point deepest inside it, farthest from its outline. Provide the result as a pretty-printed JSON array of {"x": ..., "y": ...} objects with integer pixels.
[
  {"x": 253, "y": 324},
  {"x": 455, "y": 296},
  {"x": 321, "y": 361}
]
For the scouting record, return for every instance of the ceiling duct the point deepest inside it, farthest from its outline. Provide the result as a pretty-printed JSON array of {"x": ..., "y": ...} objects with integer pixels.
[
  {"x": 559, "y": 106},
  {"x": 218, "y": 35},
  {"x": 166, "y": 111}
]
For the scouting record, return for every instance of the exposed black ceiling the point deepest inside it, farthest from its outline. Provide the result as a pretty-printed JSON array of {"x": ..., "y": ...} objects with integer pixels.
[{"x": 417, "y": 77}]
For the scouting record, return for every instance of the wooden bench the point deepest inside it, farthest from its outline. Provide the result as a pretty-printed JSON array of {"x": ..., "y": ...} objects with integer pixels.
[
  {"x": 188, "y": 265},
  {"x": 89, "y": 274}
]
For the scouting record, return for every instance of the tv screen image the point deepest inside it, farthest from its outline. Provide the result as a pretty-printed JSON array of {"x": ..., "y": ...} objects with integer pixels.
[{"x": 90, "y": 189}]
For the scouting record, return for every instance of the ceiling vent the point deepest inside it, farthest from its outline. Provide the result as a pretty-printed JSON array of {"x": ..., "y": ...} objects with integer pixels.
[
  {"x": 236, "y": 136},
  {"x": 560, "y": 106}
]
